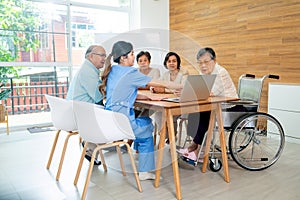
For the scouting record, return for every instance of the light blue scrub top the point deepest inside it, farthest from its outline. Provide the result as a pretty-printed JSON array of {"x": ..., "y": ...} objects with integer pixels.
[
  {"x": 84, "y": 86},
  {"x": 121, "y": 92}
]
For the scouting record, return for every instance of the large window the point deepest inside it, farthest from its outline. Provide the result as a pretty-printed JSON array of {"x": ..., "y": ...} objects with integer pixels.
[
  {"x": 55, "y": 34},
  {"x": 82, "y": 34}
]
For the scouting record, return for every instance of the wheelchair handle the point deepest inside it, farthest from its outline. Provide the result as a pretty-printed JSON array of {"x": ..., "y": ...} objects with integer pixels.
[
  {"x": 250, "y": 75},
  {"x": 273, "y": 76}
]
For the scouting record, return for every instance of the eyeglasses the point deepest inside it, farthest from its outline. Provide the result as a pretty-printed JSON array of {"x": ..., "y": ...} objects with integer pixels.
[
  {"x": 204, "y": 62},
  {"x": 100, "y": 54}
]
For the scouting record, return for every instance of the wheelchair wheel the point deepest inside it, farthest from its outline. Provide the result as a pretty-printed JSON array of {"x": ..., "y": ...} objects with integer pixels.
[
  {"x": 215, "y": 164},
  {"x": 256, "y": 141}
]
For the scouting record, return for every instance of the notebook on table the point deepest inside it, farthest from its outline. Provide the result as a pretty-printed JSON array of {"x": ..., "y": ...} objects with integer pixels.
[{"x": 195, "y": 88}]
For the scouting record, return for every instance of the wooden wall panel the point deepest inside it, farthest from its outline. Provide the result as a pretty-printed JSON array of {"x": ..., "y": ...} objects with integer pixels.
[{"x": 260, "y": 37}]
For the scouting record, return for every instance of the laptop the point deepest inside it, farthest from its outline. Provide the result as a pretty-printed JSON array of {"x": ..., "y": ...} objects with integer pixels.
[{"x": 195, "y": 88}]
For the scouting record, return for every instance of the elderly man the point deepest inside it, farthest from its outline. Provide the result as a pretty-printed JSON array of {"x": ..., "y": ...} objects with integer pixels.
[{"x": 84, "y": 86}]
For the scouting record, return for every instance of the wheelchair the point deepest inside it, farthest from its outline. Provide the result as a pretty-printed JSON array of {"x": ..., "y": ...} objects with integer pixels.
[{"x": 255, "y": 140}]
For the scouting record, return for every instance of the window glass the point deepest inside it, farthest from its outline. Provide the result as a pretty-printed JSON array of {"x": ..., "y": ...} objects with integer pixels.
[
  {"x": 113, "y": 3},
  {"x": 43, "y": 42},
  {"x": 45, "y": 32},
  {"x": 41, "y": 34}
]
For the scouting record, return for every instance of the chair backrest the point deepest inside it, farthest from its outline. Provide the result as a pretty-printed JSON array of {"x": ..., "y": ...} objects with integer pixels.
[
  {"x": 250, "y": 88},
  {"x": 97, "y": 125},
  {"x": 62, "y": 113}
]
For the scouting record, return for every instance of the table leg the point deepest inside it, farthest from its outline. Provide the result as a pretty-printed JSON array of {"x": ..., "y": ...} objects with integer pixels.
[
  {"x": 160, "y": 152},
  {"x": 208, "y": 139},
  {"x": 173, "y": 153},
  {"x": 222, "y": 142}
]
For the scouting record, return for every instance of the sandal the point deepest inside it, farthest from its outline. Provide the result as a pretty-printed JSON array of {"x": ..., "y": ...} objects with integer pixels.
[
  {"x": 193, "y": 147},
  {"x": 182, "y": 151},
  {"x": 189, "y": 155}
]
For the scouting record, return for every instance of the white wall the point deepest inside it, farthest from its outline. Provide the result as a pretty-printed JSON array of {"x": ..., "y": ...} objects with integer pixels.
[
  {"x": 149, "y": 14},
  {"x": 149, "y": 23},
  {"x": 155, "y": 14}
]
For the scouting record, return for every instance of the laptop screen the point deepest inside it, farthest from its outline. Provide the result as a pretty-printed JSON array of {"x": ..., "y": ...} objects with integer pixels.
[{"x": 196, "y": 87}]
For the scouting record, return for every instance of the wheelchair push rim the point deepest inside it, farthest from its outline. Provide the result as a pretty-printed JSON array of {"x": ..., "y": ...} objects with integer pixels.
[{"x": 256, "y": 141}]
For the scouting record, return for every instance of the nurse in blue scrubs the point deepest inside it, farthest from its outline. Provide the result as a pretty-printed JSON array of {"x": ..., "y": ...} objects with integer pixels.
[{"x": 120, "y": 84}]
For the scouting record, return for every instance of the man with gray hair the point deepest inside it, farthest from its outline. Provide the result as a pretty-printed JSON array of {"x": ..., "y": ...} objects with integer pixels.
[{"x": 84, "y": 86}]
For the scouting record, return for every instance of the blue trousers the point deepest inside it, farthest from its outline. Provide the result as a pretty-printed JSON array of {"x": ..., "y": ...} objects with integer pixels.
[{"x": 143, "y": 129}]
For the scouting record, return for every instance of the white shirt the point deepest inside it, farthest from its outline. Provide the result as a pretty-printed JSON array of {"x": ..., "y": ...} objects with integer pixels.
[{"x": 223, "y": 85}]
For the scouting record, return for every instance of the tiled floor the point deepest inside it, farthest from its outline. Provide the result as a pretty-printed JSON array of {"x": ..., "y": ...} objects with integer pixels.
[{"x": 23, "y": 175}]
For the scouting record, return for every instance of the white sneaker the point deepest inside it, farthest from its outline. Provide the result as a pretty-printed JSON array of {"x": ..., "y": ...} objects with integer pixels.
[{"x": 146, "y": 176}]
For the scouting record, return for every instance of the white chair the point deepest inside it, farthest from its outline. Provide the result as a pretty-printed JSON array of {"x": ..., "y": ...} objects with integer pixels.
[
  {"x": 63, "y": 120},
  {"x": 106, "y": 129}
]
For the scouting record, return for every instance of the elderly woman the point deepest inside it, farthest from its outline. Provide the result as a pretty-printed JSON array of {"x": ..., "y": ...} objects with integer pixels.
[
  {"x": 143, "y": 59},
  {"x": 176, "y": 75},
  {"x": 223, "y": 86}
]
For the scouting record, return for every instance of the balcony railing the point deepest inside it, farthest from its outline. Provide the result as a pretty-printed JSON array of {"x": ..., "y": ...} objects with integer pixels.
[{"x": 27, "y": 96}]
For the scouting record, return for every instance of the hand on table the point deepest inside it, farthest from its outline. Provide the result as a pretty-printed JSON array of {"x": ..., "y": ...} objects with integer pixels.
[
  {"x": 155, "y": 97},
  {"x": 158, "y": 90}
]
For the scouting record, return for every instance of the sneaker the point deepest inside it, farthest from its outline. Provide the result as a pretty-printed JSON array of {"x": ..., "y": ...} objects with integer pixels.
[
  {"x": 96, "y": 162},
  {"x": 124, "y": 149},
  {"x": 146, "y": 176}
]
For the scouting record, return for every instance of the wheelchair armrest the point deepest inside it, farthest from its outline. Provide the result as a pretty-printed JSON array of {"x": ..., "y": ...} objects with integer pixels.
[
  {"x": 240, "y": 102},
  {"x": 240, "y": 106}
]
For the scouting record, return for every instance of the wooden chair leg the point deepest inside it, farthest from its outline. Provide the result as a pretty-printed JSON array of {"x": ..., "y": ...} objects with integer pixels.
[
  {"x": 80, "y": 139},
  {"x": 155, "y": 134},
  {"x": 88, "y": 176},
  {"x": 7, "y": 128},
  {"x": 62, "y": 157},
  {"x": 138, "y": 183},
  {"x": 80, "y": 163},
  {"x": 103, "y": 160},
  {"x": 52, "y": 149},
  {"x": 121, "y": 160},
  {"x": 180, "y": 132},
  {"x": 99, "y": 149}
]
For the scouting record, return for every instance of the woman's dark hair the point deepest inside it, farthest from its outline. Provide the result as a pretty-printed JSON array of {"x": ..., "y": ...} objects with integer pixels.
[
  {"x": 205, "y": 50},
  {"x": 120, "y": 48},
  {"x": 177, "y": 58},
  {"x": 143, "y": 53}
]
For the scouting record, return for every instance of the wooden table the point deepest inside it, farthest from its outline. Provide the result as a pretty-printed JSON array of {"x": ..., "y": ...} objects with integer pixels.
[{"x": 170, "y": 109}]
